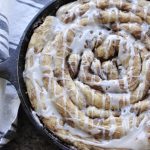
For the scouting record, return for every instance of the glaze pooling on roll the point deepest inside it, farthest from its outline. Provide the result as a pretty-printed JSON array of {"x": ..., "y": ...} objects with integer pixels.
[{"x": 87, "y": 73}]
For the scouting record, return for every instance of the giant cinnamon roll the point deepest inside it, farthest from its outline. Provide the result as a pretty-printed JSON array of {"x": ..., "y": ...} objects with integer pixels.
[{"x": 87, "y": 73}]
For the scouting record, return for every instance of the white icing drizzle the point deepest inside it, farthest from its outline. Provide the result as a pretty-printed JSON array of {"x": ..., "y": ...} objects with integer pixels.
[
  {"x": 146, "y": 11},
  {"x": 75, "y": 131},
  {"x": 135, "y": 136},
  {"x": 145, "y": 28},
  {"x": 112, "y": 126},
  {"x": 110, "y": 86},
  {"x": 84, "y": 36}
]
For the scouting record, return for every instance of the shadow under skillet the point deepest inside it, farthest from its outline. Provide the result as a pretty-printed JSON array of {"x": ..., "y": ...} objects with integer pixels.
[{"x": 27, "y": 137}]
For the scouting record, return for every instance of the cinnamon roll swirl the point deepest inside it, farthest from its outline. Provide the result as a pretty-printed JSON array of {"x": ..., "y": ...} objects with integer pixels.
[{"x": 87, "y": 74}]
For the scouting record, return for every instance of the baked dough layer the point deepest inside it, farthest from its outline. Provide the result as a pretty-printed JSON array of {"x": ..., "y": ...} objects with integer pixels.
[{"x": 87, "y": 74}]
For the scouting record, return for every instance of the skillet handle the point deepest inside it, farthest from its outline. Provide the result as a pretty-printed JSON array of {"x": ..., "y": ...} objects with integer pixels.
[{"x": 8, "y": 68}]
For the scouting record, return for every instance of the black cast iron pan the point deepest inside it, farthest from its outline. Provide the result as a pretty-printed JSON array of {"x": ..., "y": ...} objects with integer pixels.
[{"x": 12, "y": 68}]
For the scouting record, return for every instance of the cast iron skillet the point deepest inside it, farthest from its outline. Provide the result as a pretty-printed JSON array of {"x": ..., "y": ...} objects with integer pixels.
[{"x": 12, "y": 68}]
